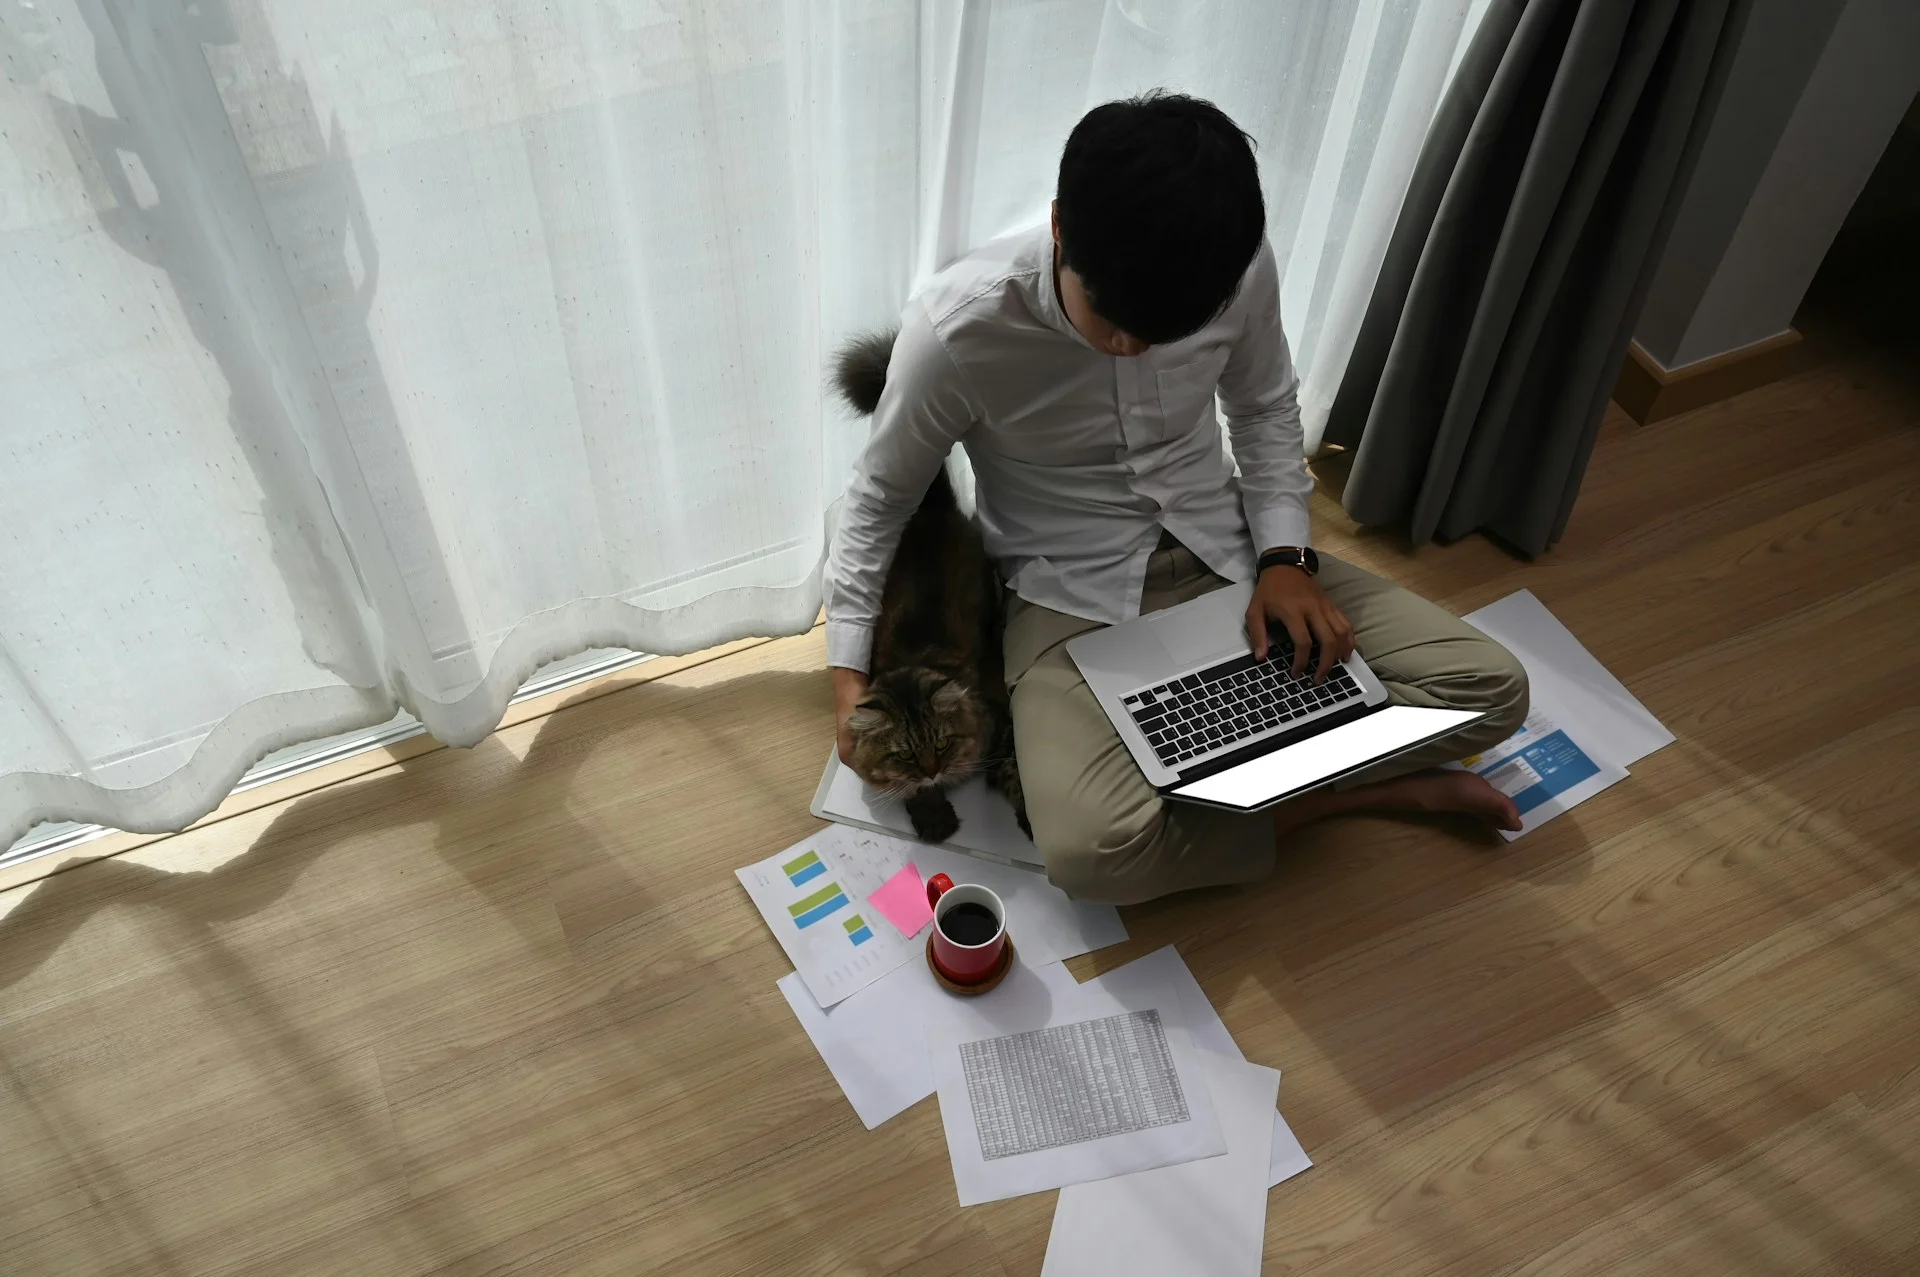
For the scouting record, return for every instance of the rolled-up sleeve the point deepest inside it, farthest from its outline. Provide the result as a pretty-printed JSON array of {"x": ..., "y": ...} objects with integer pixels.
[
  {"x": 925, "y": 409},
  {"x": 1259, "y": 393}
]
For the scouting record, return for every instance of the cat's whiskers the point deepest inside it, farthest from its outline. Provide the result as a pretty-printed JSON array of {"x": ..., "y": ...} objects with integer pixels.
[{"x": 907, "y": 787}]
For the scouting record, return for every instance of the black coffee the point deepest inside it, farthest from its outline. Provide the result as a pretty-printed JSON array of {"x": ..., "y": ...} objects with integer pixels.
[{"x": 969, "y": 924}]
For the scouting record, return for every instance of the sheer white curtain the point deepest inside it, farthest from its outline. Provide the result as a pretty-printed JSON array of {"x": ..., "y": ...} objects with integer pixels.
[{"x": 366, "y": 354}]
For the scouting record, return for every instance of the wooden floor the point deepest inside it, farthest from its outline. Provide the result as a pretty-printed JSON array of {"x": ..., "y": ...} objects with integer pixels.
[{"x": 507, "y": 1011}]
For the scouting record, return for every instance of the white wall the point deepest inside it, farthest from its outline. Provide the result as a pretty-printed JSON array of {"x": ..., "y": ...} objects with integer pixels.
[{"x": 1855, "y": 92}]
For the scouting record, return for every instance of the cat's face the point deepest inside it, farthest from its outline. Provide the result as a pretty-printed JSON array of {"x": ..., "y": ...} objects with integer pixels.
[{"x": 917, "y": 728}]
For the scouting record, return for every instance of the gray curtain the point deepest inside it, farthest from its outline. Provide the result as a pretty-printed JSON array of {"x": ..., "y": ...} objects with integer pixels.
[{"x": 1538, "y": 208}]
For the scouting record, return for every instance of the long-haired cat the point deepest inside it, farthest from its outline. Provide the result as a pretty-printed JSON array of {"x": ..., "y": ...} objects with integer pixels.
[{"x": 936, "y": 710}]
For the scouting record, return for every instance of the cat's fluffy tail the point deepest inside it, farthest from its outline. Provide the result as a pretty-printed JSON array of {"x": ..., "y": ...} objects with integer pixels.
[{"x": 860, "y": 369}]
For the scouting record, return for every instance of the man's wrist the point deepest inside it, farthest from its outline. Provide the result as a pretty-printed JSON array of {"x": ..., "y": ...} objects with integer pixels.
[
  {"x": 1299, "y": 557},
  {"x": 849, "y": 644}
]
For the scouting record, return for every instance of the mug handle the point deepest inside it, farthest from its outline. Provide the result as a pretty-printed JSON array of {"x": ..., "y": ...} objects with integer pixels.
[{"x": 938, "y": 886}]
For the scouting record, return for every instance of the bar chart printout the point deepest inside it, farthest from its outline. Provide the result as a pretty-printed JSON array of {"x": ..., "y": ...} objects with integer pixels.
[
  {"x": 803, "y": 869},
  {"x": 813, "y": 897}
]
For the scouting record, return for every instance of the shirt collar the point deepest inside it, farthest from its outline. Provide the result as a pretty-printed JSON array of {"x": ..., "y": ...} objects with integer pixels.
[{"x": 1046, "y": 295}]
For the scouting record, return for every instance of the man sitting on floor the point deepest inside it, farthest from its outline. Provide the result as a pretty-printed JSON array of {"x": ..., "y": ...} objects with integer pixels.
[{"x": 1079, "y": 370}]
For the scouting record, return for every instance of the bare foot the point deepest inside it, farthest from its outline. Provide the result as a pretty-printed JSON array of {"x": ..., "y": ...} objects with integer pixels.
[
  {"x": 1440, "y": 790},
  {"x": 1450, "y": 791}
]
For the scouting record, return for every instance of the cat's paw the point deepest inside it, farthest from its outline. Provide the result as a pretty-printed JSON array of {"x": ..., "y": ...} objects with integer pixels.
[{"x": 933, "y": 817}]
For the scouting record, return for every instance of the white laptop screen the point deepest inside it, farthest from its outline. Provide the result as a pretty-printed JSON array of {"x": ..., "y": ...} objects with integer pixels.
[{"x": 1259, "y": 781}]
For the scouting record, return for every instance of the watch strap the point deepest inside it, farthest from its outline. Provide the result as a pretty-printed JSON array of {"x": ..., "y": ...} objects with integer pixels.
[{"x": 1291, "y": 556}]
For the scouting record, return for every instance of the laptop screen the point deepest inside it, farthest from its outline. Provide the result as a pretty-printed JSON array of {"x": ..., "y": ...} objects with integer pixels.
[{"x": 1325, "y": 756}]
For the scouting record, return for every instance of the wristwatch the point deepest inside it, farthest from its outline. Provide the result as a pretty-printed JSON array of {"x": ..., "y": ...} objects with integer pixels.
[{"x": 1292, "y": 556}]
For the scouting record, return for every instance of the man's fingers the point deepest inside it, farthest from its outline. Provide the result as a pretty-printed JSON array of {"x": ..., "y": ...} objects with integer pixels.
[
  {"x": 1340, "y": 628},
  {"x": 1297, "y": 631},
  {"x": 1323, "y": 635},
  {"x": 1257, "y": 628}
]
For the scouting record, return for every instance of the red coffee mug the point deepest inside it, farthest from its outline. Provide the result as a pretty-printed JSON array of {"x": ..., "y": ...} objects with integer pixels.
[{"x": 965, "y": 963}]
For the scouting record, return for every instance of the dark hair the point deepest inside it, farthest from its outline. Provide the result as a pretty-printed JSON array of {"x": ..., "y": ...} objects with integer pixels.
[{"x": 1160, "y": 212}]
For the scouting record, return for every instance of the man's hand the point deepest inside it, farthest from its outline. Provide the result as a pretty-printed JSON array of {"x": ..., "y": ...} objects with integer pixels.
[
  {"x": 1292, "y": 597},
  {"x": 848, "y": 687}
]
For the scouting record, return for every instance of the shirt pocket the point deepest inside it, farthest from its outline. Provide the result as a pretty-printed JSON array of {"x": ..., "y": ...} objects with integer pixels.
[{"x": 1187, "y": 392}]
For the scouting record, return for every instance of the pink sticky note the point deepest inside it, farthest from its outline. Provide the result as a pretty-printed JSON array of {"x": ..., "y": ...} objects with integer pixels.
[{"x": 903, "y": 900}]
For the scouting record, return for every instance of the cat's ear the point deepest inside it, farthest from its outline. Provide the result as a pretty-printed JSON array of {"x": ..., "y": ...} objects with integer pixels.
[
  {"x": 866, "y": 719},
  {"x": 952, "y": 697}
]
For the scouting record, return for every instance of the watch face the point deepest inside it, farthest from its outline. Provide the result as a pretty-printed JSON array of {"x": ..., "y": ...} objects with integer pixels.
[{"x": 1312, "y": 560}]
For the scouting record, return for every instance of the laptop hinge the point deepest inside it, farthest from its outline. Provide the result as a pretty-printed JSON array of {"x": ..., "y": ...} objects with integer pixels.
[{"x": 1267, "y": 744}]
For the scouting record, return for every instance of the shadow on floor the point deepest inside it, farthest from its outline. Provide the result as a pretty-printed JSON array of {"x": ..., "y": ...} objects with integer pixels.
[{"x": 591, "y": 938}]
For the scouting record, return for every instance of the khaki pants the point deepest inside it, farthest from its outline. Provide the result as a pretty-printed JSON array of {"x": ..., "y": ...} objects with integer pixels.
[{"x": 1105, "y": 833}]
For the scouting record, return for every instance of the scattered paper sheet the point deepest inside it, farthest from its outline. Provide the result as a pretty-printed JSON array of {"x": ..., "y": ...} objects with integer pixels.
[
  {"x": 1607, "y": 716},
  {"x": 1584, "y": 729},
  {"x": 1165, "y": 967},
  {"x": 1207, "y": 1216},
  {"x": 1288, "y": 1159},
  {"x": 875, "y": 1044},
  {"x": 1098, "y": 1086},
  {"x": 1209, "y": 1032},
  {"x": 987, "y": 824},
  {"x": 1543, "y": 769},
  {"x": 902, "y": 900},
  {"x": 813, "y": 898}
]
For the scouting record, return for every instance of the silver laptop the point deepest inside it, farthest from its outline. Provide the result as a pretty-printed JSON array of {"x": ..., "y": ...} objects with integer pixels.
[{"x": 1208, "y": 723}]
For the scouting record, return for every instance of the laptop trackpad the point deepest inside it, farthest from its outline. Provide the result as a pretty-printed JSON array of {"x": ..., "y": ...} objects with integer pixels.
[
  {"x": 1326, "y": 756},
  {"x": 1196, "y": 635}
]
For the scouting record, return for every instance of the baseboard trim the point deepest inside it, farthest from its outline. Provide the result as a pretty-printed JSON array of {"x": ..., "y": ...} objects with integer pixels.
[{"x": 1649, "y": 393}]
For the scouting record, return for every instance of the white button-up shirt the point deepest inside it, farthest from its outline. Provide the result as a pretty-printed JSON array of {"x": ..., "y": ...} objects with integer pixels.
[{"x": 1080, "y": 458}]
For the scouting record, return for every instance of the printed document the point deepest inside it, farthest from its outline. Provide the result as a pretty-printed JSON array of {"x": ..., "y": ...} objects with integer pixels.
[
  {"x": 1095, "y": 1086},
  {"x": 1207, "y": 1216},
  {"x": 1209, "y": 1033}
]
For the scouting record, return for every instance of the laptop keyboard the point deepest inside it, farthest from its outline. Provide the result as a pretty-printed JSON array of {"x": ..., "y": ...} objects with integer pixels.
[{"x": 1201, "y": 713}]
